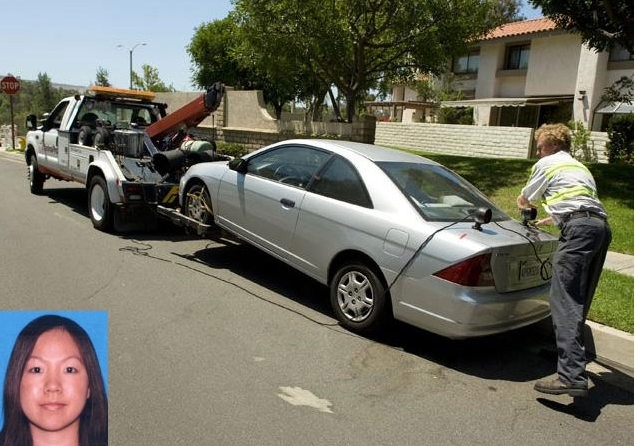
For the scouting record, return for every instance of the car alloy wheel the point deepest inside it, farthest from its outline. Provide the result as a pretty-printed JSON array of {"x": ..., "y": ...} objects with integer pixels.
[{"x": 359, "y": 298}]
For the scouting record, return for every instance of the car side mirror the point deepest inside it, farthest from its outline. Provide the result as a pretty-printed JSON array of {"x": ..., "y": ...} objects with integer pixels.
[
  {"x": 239, "y": 165},
  {"x": 31, "y": 122}
]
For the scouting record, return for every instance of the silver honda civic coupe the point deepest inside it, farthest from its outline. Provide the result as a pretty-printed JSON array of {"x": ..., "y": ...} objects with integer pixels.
[{"x": 392, "y": 234}]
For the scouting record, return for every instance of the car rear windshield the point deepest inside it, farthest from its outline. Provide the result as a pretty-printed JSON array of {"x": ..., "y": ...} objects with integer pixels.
[{"x": 438, "y": 193}]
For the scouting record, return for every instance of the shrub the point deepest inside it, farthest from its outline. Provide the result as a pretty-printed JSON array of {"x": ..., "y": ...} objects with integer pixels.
[
  {"x": 456, "y": 115},
  {"x": 619, "y": 149},
  {"x": 582, "y": 147},
  {"x": 230, "y": 149}
]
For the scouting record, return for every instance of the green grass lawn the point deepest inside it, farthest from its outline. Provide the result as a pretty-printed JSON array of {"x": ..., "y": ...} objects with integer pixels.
[{"x": 502, "y": 180}]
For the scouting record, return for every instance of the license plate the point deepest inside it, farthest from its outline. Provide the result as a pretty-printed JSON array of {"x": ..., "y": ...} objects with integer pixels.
[
  {"x": 528, "y": 269},
  {"x": 527, "y": 272}
]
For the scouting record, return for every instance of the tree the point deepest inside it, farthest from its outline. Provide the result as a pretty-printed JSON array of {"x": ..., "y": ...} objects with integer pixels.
[
  {"x": 212, "y": 50},
  {"x": 36, "y": 97},
  {"x": 620, "y": 91},
  {"x": 221, "y": 51},
  {"x": 601, "y": 23},
  {"x": 352, "y": 44},
  {"x": 150, "y": 80},
  {"x": 102, "y": 77},
  {"x": 506, "y": 11},
  {"x": 44, "y": 99}
]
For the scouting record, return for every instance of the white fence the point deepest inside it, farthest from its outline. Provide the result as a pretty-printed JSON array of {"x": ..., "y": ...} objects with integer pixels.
[{"x": 469, "y": 140}]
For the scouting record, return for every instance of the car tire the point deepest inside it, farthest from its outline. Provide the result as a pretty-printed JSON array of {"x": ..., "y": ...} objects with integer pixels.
[
  {"x": 198, "y": 205},
  {"x": 359, "y": 298},
  {"x": 36, "y": 178},
  {"x": 100, "y": 208}
]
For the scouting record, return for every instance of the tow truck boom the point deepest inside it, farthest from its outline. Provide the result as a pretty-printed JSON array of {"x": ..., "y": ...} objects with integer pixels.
[{"x": 190, "y": 115}]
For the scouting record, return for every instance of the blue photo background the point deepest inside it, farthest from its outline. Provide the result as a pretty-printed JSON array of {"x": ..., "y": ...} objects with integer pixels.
[{"x": 12, "y": 322}]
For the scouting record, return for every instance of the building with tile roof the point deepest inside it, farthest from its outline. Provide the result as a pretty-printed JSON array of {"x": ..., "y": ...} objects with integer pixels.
[{"x": 531, "y": 72}]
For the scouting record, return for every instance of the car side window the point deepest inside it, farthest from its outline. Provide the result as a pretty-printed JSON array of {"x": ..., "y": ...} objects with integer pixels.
[
  {"x": 294, "y": 165},
  {"x": 340, "y": 180}
]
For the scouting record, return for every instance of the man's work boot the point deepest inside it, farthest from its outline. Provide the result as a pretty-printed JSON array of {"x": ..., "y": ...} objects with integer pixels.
[{"x": 554, "y": 386}]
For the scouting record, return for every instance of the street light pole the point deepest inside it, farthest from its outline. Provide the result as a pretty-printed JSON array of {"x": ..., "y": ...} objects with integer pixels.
[{"x": 131, "y": 51}]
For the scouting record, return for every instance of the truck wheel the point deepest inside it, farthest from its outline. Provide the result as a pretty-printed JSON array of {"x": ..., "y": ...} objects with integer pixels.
[
  {"x": 99, "y": 206},
  {"x": 359, "y": 298},
  {"x": 198, "y": 205},
  {"x": 101, "y": 138},
  {"x": 85, "y": 136},
  {"x": 36, "y": 178}
]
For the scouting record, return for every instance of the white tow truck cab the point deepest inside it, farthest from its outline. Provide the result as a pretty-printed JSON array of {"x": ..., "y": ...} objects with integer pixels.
[{"x": 123, "y": 147}]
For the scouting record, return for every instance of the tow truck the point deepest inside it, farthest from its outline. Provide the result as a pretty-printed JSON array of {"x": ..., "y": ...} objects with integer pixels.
[{"x": 124, "y": 147}]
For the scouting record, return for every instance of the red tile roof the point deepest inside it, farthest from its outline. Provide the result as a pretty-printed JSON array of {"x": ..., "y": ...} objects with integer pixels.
[{"x": 521, "y": 28}]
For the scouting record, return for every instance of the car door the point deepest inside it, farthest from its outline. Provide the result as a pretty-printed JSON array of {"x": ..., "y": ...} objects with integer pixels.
[
  {"x": 337, "y": 212},
  {"x": 262, "y": 204}
]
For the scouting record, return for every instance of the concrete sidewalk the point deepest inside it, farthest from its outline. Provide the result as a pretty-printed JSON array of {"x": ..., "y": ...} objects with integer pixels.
[
  {"x": 622, "y": 263},
  {"x": 610, "y": 347}
]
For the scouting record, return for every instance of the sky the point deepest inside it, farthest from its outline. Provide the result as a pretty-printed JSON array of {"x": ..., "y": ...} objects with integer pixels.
[{"x": 70, "y": 40}]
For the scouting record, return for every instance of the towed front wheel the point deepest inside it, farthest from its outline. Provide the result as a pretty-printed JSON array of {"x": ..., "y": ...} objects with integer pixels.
[
  {"x": 359, "y": 298},
  {"x": 198, "y": 205}
]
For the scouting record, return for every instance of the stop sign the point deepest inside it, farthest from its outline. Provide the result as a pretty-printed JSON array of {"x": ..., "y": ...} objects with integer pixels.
[{"x": 9, "y": 85}]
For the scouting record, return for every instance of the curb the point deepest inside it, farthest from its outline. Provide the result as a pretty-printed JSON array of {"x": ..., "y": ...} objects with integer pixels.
[
  {"x": 605, "y": 347},
  {"x": 610, "y": 347}
]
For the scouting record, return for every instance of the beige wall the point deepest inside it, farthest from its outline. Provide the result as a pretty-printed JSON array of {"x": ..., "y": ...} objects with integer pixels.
[
  {"x": 466, "y": 140},
  {"x": 553, "y": 65}
]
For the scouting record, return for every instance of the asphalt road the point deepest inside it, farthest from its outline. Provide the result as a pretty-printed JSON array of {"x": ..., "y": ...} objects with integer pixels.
[{"x": 214, "y": 343}]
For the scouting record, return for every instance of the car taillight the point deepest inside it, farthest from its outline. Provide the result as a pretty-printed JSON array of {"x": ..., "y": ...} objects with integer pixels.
[
  {"x": 133, "y": 192},
  {"x": 476, "y": 271}
]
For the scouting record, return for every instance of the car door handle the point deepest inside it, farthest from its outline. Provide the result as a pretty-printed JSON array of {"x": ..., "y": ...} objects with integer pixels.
[{"x": 287, "y": 203}]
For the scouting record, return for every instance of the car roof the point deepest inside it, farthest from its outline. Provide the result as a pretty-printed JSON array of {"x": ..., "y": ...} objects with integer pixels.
[{"x": 370, "y": 151}]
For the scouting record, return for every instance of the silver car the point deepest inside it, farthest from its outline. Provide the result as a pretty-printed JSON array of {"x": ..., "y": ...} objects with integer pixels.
[{"x": 392, "y": 234}]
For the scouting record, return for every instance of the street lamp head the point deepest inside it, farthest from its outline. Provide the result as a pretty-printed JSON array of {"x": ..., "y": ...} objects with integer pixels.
[{"x": 130, "y": 50}]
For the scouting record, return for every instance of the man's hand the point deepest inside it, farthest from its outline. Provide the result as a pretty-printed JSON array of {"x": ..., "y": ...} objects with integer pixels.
[
  {"x": 544, "y": 221},
  {"x": 523, "y": 203}
]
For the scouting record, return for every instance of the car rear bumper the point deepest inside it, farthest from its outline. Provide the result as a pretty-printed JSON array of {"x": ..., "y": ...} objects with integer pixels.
[{"x": 471, "y": 313}]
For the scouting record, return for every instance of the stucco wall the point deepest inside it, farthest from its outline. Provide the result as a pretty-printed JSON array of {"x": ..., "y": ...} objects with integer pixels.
[{"x": 553, "y": 65}]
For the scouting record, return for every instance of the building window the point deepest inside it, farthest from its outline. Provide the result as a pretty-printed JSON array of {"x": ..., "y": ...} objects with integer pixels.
[
  {"x": 467, "y": 63},
  {"x": 619, "y": 53},
  {"x": 517, "y": 57}
]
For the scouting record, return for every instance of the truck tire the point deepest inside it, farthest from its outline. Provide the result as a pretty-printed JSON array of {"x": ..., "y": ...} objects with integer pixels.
[
  {"x": 85, "y": 136},
  {"x": 36, "y": 178},
  {"x": 198, "y": 205},
  {"x": 100, "y": 208},
  {"x": 101, "y": 138}
]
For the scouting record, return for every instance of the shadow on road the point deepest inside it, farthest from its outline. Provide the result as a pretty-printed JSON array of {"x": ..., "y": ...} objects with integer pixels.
[
  {"x": 73, "y": 197},
  {"x": 522, "y": 355}
]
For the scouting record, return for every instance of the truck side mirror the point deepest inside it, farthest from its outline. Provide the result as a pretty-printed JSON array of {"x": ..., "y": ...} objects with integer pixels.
[{"x": 31, "y": 122}]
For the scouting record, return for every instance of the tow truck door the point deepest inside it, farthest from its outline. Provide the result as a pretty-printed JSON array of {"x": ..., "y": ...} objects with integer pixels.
[{"x": 50, "y": 133}]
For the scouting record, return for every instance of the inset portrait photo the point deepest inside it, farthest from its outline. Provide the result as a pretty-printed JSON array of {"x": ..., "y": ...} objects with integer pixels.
[{"x": 54, "y": 375}]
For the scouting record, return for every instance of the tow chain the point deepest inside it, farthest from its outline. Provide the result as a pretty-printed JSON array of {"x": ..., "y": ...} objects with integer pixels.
[{"x": 199, "y": 197}]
